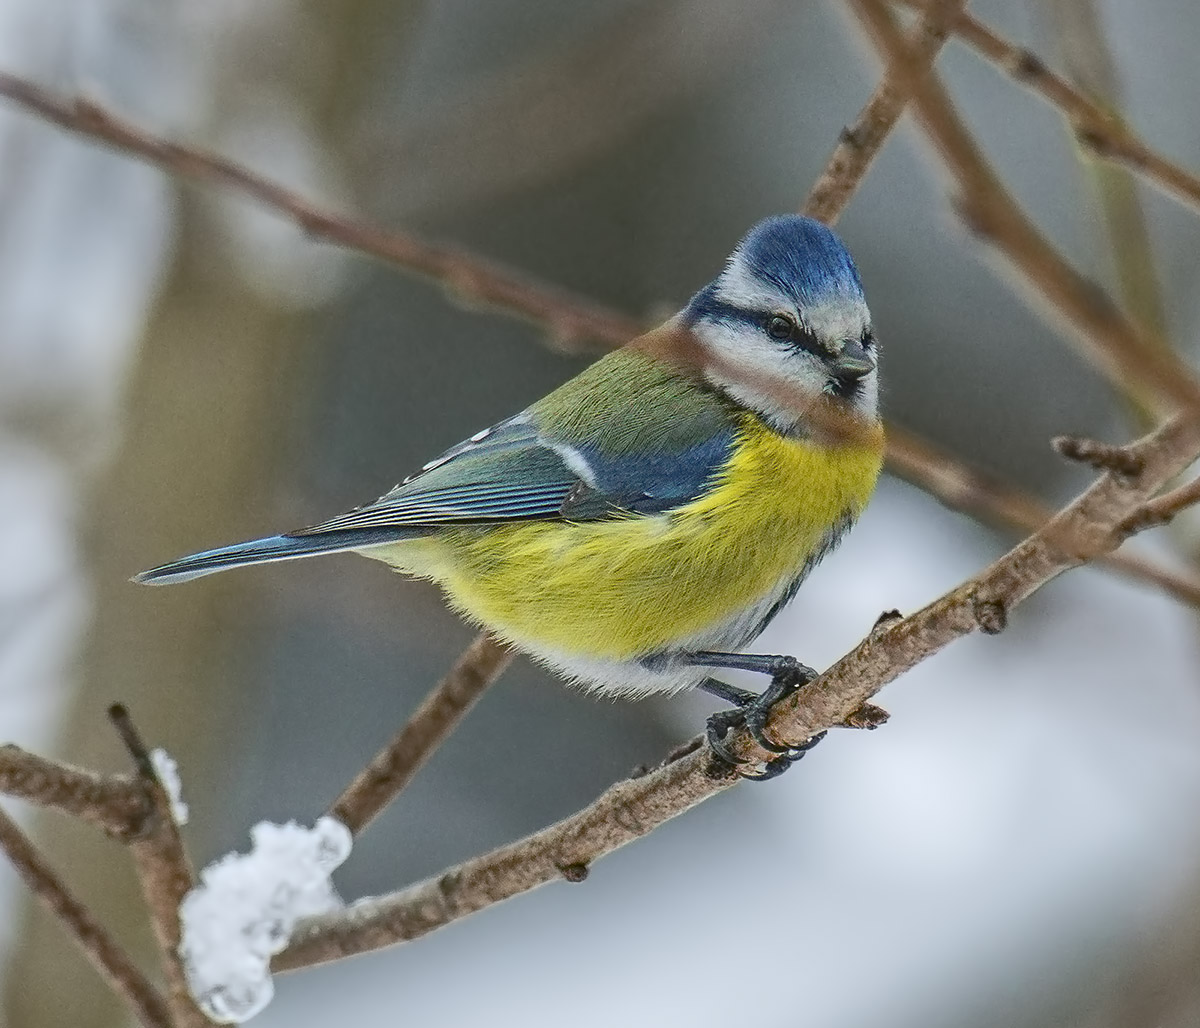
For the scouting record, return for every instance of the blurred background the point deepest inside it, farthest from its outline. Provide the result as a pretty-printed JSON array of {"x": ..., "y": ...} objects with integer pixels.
[{"x": 180, "y": 368}]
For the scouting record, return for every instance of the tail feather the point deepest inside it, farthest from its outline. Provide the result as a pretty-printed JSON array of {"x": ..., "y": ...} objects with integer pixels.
[{"x": 272, "y": 548}]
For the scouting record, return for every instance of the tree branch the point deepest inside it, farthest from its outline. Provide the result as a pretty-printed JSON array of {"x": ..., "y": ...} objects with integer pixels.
[
  {"x": 1164, "y": 509},
  {"x": 1092, "y": 525},
  {"x": 1116, "y": 345},
  {"x": 1100, "y": 130},
  {"x": 860, "y": 143},
  {"x": 1089, "y": 60},
  {"x": 111, "y": 802},
  {"x": 97, "y": 945},
  {"x": 990, "y": 500},
  {"x": 164, "y": 871},
  {"x": 393, "y": 768},
  {"x": 569, "y": 319}
]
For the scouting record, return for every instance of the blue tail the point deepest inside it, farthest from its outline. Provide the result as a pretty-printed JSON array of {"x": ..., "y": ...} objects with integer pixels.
[{"x": 262, "y": 551}]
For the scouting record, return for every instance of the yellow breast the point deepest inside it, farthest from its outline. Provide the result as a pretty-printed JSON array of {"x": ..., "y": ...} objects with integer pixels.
[{"x": 630, "y": 586}]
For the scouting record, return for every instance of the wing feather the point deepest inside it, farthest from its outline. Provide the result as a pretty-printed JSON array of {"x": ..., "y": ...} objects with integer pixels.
[{"x": 521, "y": 470}]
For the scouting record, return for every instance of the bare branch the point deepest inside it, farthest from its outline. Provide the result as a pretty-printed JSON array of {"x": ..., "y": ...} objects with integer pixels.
[
  {"x": 1091, "y": 64},
  {"x": 111, "y": 802},
  {"x": 1087, "y": 528},
  {"x": 1164, "y": 509},
  {"x": 393, "y": 768},
  {"x": 990, "y": 500},
  {"x": 627, "y": 811},
  {"x": 569, "y": 319},
  {"x": 1090, "y": 526},
  {"x": 164, "y": 871},
  {"x": 1111, "y": 340},
  {"x": 1097, "y": 128},
  {"x": 98, "y": 946},
  {"x": 1101, "y": 456},
  {"x": 860, "y": 143}
]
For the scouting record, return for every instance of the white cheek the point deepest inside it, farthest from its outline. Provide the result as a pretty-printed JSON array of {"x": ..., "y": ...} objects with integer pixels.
[{"x": 745, "y": 349}]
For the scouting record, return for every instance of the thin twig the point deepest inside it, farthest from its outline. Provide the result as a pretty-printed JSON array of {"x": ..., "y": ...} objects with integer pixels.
[
  {"x": 1105, "y": 335},
  {"x": 861, "y": 142},
  {"x": 1087, "y": 528},
  {"x": 992, "y": 501},
  {"x": 569, "y": 319},
  {"x": 1092, "y": 66},
  {"x": 1083, "y": 530},
  {"x": 111, "y": 802},
  {"x": 98, "y": 946},
  {"x": 1100, "y": 130},
  {"x": 1099, "y": 455},
  {"x": 164, "y": 871},
  {"x": 438, "y": 715},
  {"x": 1164, "y": 509}
]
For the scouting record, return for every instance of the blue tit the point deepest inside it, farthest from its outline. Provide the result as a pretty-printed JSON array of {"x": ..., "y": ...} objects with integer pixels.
[{"x": 644, "y": 522}]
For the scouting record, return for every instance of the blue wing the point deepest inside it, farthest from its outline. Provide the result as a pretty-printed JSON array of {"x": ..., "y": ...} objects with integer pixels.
[
  {"x": 514, "y": 472},
  {"x": 506, "y": 473}
]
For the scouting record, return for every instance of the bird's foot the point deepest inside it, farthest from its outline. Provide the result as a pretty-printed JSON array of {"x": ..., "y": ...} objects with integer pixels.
[{"x": 750, "y": 711}]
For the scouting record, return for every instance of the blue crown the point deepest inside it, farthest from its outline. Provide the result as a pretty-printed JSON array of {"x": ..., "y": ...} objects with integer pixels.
[{"x": 799, "y": 256}]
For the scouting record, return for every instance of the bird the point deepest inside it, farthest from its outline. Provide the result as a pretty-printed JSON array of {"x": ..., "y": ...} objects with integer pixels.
[{"x": 638, "y": 527}]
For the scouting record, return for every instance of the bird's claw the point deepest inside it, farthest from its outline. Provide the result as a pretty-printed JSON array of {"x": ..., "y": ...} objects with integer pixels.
[
  {"x": 787, "y": 675},
  {"x": 774, "y": 768}
]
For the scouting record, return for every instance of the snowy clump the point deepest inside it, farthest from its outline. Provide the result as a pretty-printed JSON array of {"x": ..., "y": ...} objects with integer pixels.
[
  {"x": 168, "y": 775},
  {"x": 247, "y": 905}
]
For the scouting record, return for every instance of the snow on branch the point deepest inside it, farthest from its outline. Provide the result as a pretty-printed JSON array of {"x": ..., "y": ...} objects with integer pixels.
[{"x": 247, "y": 904}]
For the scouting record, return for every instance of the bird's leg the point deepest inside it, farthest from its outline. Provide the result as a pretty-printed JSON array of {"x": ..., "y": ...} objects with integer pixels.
[
  {"x": 750, "y": 709},
  {"x": 731, "y": 694}
]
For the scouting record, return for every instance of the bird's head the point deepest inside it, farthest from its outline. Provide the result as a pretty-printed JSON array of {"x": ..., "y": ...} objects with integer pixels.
[{"x": 787, "y": 313}]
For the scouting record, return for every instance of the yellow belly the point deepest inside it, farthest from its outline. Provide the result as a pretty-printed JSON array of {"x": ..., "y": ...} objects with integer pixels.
[{"x": 630, "y": 586}]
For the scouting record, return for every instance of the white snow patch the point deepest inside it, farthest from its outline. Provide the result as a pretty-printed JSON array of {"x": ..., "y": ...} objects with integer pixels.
[
  {"x": 246, "y": 907},
  {"x": 168, "y": 774}
]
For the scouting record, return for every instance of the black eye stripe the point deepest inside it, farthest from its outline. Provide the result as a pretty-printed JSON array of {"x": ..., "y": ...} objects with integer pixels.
[{"x": 800, "y": 339}]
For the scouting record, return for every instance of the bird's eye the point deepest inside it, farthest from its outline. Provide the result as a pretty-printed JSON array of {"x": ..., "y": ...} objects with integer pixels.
[{"x": 780, "y": 327}]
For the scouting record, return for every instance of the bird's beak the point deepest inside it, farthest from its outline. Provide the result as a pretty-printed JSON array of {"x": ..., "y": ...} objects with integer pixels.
[{"x": 854, "y": 361}]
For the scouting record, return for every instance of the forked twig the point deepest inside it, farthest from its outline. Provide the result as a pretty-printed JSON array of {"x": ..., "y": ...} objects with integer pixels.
[
  {"x": 97, "y": 945},
  {"x": 113, "y": 803},
  {"x": 992, "y": 501},
  {"x": 1097, "y": 128},
  {"x": 861, "y": 142},
  {"x": 164, "y": 872},
  {"x": 1116, "y": 345}
]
